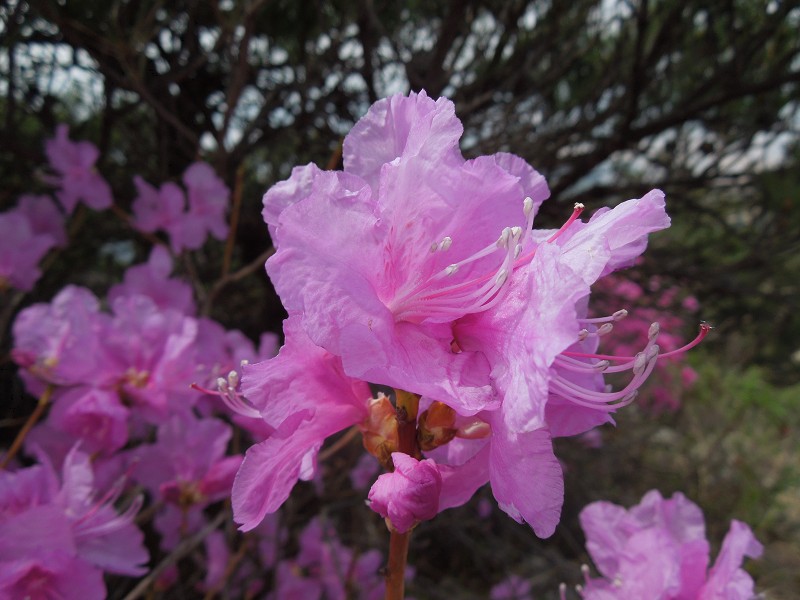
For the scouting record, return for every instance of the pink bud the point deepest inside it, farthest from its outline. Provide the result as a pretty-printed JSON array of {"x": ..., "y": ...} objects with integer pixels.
[{"x": 408, "y": 495}]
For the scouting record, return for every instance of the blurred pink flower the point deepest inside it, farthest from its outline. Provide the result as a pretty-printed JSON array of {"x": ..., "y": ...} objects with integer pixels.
[
  {"x": 658, "y": 550},
  {"x": 21, "y": 249},
  {"x": 77, "y": 179},
  {"x": 44, "y": 217},
  {"x": 152, "y": 279},
  {"x": 166, "y": 209},
  {"x": 56, "y": 538}
]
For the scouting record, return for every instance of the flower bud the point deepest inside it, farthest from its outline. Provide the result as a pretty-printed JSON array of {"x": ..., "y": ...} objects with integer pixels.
[
  {"x": 436, "y": 426},
  {"x": 379, "y": 430},
  {"x": 408, "y": 495}
]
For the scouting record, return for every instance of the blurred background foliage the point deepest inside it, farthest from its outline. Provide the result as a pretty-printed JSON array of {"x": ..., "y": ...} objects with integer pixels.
[{"x": 606, "y": 98}]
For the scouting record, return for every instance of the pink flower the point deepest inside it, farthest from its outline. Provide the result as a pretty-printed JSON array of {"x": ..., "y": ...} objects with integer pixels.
[
  {"x": 409, "y": 494},
  {"x": 96, "y": 417},
  {"x": 165, "y": 208},
  {"x": 59, "y": 342},
  {"x": 44, "y": 217},
  {"x": 208, "y": 198},
  {"x": 56, "y": 538},
  {"x": 420, "y": 270},
  {"x": 21, "y": 249},
  {"x": 77, "y": 178},
  {"x": 27, "y": 232},
  {"x": 658, "y": 550},
  {"x": 152, "y": 279},
  {"x": 187, "y": 466}
]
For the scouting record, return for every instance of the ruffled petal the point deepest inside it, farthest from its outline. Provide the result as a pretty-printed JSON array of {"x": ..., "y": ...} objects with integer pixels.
[{"x": 526, "y": 477}]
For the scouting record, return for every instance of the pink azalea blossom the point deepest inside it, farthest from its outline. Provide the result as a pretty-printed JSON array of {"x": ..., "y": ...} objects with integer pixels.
[
  {"x": 95, "y": 416},
  {"x": 57, "y": 538},
  {"x": 187, "y": 465},
  {"x": 658, "y": 550},
  {"x": 420, "y": 270},
  {"x": 59, "y": 342},
  {"x": 342, "y": 573},
  {"x": 208, "y": 198},
  {"x": 166, "y": 209},
  {"x": 77, "y": 179},
  {"x": 44, "y": 217},
  {"x": 152, "y": 279},
  {"x": 27, "y": 233},
  {"x": 21, "y": 249},
  {"x": 409, "y": 494}
]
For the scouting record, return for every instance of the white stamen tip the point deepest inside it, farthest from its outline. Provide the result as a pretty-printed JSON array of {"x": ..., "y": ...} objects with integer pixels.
[
  {"x": 652, "y": 333},
  {"x": 222, "y": 385},
  {"x": 583, "y": 334},
  {"x": 605, "y": 329},
  {"x": 434, "y": 247},
  {"x": 620, "y": 314},
  {"x": 502, "y": 275},
  {"x": 527, "y": 206},
  {"x": 652, "y": 352},
  {"x": 502, "y": 241},
  {"x": 244, "y": 362},
  {"x": 451, "y": 269},
  {"x": 233, "y": 379},
  {"x": 639, "y": 363},
  {"x": 516, "y": 232},
  {"x": 517, "y": 250},
  {"x": 446, "y": 242},
  {"x": 602, "y": 365},
  {"x": 579, "y": 206}
]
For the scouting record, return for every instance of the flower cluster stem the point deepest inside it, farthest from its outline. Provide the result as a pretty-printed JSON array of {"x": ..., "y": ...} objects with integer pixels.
[{"x": 407, "y": 406}]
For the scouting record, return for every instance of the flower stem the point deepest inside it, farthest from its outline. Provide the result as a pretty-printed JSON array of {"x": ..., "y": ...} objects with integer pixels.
[
  {"x": 396, "y": 568},
  {"x": 407, "y": 406},
  {"x": 44, "y": 400}
]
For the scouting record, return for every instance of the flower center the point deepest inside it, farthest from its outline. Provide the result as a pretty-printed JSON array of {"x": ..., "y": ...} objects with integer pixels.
[{"x": 440, "y": 299}]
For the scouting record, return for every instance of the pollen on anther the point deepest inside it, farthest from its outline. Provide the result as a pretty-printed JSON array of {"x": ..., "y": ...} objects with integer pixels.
[
  {"x": 445, "y": 243},
  {"x": 579, "y": 206},
  {"x": 450, "y": 269},
  {"x": 527, "y": 205},
  {"x": 605, "y": 329}
]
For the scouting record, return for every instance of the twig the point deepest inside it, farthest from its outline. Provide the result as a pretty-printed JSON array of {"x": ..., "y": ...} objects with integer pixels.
[
  {"x": 223, "y": 282},
  {"x": 44, "y": 400},
  {"x": 338, "y": 444},
  {"x": 236, "y": 209},
  {"x": 181, "y": 550}
]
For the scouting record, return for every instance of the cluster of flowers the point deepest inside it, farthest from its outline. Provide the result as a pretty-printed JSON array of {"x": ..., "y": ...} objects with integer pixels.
[
  {"x": 413, "y": 269},
  {"x": 124, "y": 424}
]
